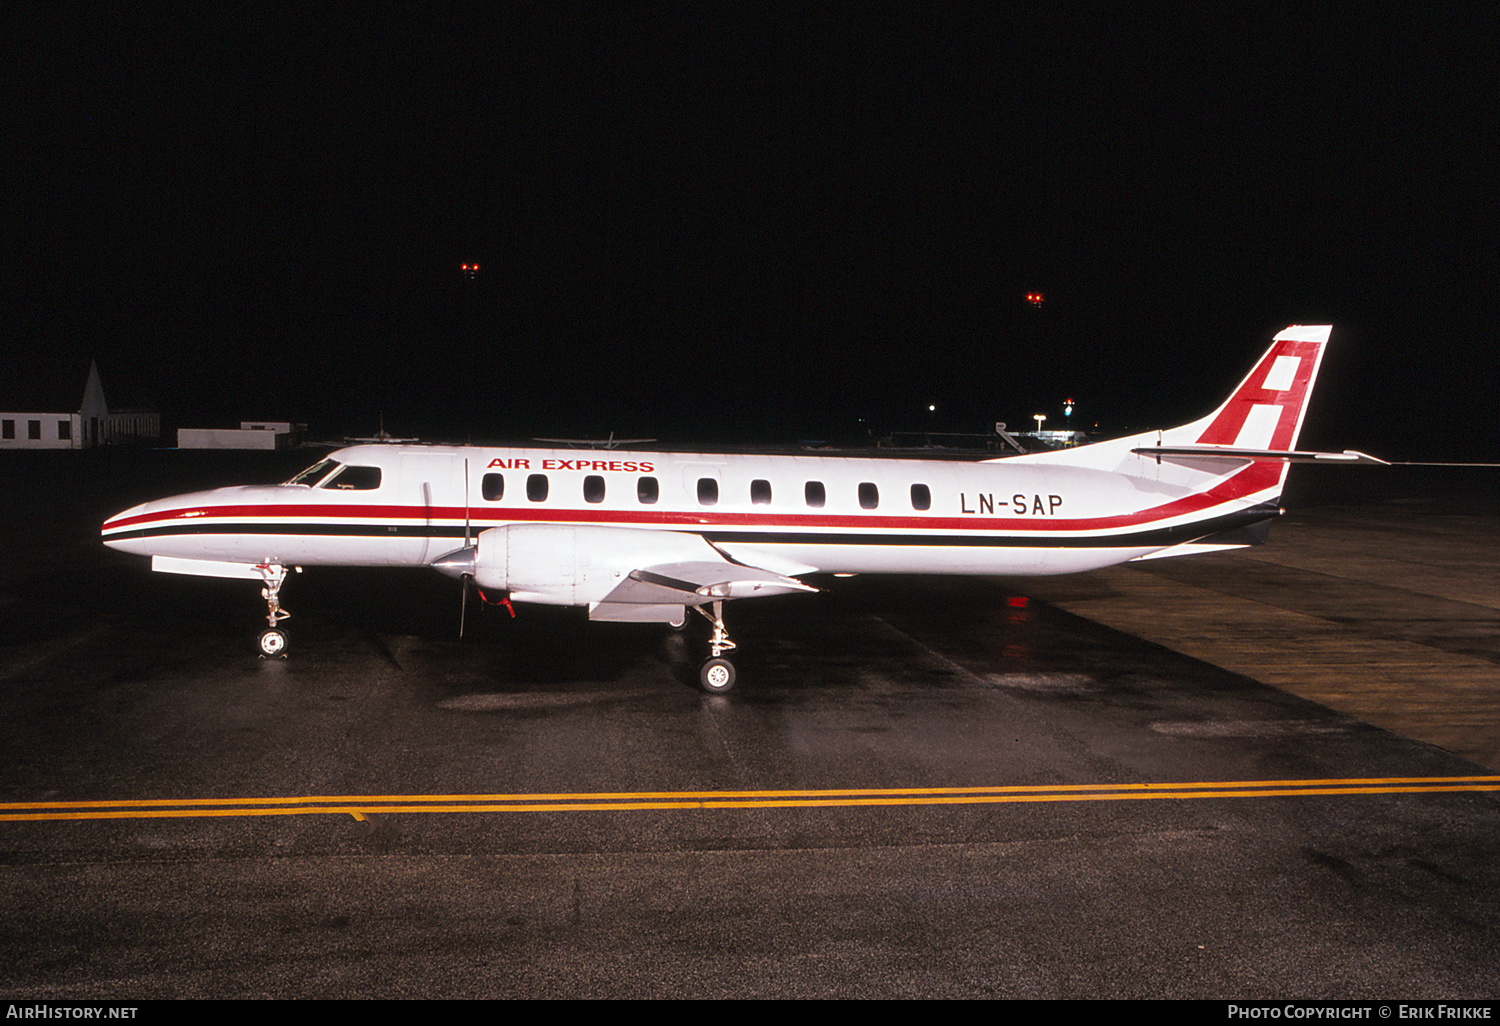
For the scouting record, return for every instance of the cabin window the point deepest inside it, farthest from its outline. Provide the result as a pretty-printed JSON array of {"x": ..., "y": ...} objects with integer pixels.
[
  {"x": 921, "y": 497},
  {"x": 869, "y": 495},
  {"x": 492, "y": 487},
  {"x": 708, "y": 491},
  {"x": 647, "y": 490},
  {"x": 355, "y": 479},
  {"x": 536, "y": 487},
  {"x": 760, "y": 492},
  {"x": 65, "y": 430},
  {"x": 815, "y": 494},
  {"x": 34, "y": 430},
  {"x": 593, "y": 488},
  {"x": 8, "y": 429}
]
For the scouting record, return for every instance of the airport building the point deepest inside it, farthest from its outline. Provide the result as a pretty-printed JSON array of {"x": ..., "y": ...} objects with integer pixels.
[
  {"x": 92, "y": 424},
  {"x": 251, "y": 434}
]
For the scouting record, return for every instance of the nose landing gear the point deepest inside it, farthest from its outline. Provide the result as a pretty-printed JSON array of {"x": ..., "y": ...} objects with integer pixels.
[{"x": 273, "y": 640}]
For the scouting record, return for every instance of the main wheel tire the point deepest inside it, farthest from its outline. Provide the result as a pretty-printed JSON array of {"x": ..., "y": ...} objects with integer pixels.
[
  {"x": 716, "y": 676},
  {"x": 273, "y": 643}
]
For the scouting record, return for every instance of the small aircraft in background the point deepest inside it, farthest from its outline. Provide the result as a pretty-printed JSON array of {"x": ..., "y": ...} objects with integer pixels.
[{"x": 647, "y": 536}]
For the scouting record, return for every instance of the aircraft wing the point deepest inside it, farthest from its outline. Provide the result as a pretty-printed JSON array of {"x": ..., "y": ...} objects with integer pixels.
[
  {"x": 662, "y": 592},
  {"x": 696, "y": 582}
]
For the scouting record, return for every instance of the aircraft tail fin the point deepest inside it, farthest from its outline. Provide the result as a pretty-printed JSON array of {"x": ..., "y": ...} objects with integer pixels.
[
  {"x": 1258, "y": 424},
  {"x": 1223, "y": 472},
  {"x": 1266, "y": 411}
]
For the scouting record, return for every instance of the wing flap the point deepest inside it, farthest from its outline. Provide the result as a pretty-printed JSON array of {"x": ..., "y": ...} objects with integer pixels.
[{"x": 696, "y": 582}]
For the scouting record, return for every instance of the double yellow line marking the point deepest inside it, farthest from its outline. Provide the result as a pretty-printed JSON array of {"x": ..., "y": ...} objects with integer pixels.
[{"x": 360, "y": 806}]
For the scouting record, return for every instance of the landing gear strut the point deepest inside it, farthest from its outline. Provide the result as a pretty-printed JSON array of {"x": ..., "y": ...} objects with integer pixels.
[
  {"x": 273, "y": 640},
  {"x": 716, "y": 675}
]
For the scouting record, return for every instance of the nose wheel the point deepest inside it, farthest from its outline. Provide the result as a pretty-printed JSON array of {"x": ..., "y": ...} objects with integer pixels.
[{"x": 273, "y": 643}]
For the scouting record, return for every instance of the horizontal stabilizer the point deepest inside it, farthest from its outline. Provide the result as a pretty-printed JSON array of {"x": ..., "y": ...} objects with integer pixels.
[{"x": 1348, "y": 456}]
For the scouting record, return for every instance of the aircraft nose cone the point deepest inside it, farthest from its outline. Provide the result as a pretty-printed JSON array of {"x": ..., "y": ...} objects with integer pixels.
[
  {"x": 459, "y": 563},
  {"x": 111, "y": 528}
]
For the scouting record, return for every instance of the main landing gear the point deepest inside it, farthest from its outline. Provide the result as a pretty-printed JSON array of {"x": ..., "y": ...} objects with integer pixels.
[
  {"x": 273, "y": 640},
  {"x": 716, "y": 675}
]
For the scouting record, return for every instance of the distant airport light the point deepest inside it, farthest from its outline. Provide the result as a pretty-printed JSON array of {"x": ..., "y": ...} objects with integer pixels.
[
  {"x": 471, "y": 271},
  {"x": 1034, "y": 298},
  {"x": 1039, "y": 417}
]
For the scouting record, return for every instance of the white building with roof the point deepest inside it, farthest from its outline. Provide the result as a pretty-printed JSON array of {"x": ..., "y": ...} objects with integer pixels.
[{"x": 92, "y": 424}]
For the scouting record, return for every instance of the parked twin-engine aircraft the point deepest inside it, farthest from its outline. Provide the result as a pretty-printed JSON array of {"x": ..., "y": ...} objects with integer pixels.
[{"x": 646, "y": 536}]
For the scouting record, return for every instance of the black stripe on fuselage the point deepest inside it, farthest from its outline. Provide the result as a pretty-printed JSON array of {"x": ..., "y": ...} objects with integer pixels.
[{"x": 1149, "y": 537}]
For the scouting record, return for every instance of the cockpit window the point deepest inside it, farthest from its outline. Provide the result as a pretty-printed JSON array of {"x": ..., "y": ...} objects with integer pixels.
[
  {"x": 359, "y": 479},
  {"x": 315, "y": 473}
]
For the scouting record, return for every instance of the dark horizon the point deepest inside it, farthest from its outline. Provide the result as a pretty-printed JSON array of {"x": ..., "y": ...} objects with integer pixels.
[{"x": 755, "y": 230}]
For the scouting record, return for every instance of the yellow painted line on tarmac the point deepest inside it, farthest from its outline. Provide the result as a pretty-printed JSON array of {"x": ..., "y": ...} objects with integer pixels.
[{"x": 361, "y": 806}]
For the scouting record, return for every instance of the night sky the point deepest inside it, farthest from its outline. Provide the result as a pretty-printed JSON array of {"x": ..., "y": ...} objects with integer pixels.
[{"x": 753, "y": 227}]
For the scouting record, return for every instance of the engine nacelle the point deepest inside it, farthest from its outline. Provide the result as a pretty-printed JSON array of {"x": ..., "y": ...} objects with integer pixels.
[{"x": 563, "y": 565}]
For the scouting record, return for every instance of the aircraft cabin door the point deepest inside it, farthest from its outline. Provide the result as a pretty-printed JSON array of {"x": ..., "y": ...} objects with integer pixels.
[{"x": 434, "y": 484}]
